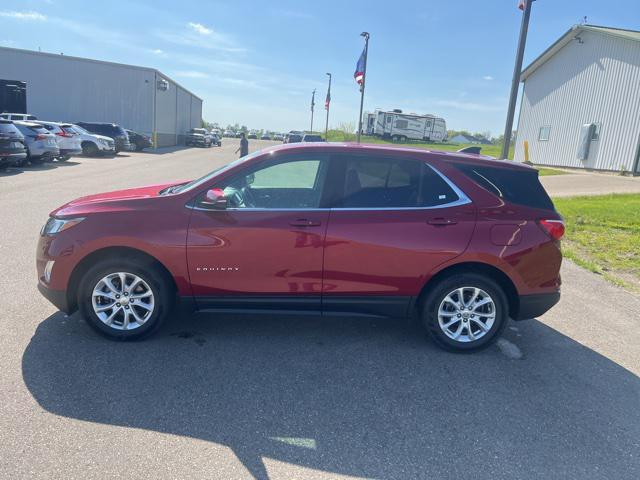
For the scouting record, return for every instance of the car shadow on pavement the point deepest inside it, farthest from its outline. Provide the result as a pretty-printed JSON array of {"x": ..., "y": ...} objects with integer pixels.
[{"x": 368, "y": 398}]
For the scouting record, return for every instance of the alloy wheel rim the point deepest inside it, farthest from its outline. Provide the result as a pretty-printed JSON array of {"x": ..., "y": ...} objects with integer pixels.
[
  {"x": 466, "y": 314},
  {"x": 123, "y": 301}
]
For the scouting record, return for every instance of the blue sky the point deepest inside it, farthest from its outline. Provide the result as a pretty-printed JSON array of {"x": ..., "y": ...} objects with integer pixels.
[{"x": 256, "y": 62}]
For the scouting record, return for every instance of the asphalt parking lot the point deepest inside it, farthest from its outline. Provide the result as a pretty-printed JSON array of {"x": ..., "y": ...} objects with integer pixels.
[{"x": 304, "y": 398}]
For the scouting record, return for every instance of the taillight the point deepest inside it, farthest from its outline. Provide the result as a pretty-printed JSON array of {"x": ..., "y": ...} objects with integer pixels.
[
  {"x": 41, "y": 136},
  {"x": 64, "y": 134},
  {"x": 553, "y": 228}
]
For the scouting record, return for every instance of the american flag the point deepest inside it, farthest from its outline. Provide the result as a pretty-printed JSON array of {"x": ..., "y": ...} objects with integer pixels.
[
  {"x": 522, "y": 4},
  {"x": 359, "y": 73},
  {"x": 327, "y": 101}
]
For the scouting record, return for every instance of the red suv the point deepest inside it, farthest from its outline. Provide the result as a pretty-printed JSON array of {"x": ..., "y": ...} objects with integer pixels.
[{"x": 459, "y": 241}]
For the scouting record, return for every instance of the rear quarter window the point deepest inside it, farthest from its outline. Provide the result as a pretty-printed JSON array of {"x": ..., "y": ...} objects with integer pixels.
[{"x": 521, "y": 187}]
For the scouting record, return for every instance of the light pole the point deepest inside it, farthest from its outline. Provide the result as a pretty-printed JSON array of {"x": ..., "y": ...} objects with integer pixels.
[
  {"x": 515, "y": 84},
  {"x": 327, "y": 103},
  {"x": 313, "y": 103},
  {"x": 364, "y": 79}
]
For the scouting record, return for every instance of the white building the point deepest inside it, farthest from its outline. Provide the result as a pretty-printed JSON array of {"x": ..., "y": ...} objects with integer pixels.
[
  {"x": 581, "y": 101},
  {"x": 71, "y": 89}
]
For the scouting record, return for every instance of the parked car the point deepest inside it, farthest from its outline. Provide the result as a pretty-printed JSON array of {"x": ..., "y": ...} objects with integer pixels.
[
  {"x": 278, "y": 137},
  {"x": 239, "y": 134},
  {"x": 198, "y": 137},
  {"x": 215, "y": 140},
  {"x": 138, "y": 141},
  {"x": 308, "y": 137},
  {"x": 67, "y": 138},
  {"x": 94, "y": 145},
  {"x": 293, "y": 138},
  {"x": 265, "y": 137},
  {"x": 18, "y": 116},
  {"x": 457, "y": 242},
  {"x": 229, "y": 134},
  {"x": 112, "y": 130},
  {"x": 252, "y": 136},
  {"x": 41, "y": 144},
  {"x": 12, "y": 148}
]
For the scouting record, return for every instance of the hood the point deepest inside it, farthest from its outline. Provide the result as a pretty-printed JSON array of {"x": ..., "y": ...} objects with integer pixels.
[{"x": 110, "y": 201}]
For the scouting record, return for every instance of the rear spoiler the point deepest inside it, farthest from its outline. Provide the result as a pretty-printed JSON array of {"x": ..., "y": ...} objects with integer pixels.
[{"x": 474, "y": 150}]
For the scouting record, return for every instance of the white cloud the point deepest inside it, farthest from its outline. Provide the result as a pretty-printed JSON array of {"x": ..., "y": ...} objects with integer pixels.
[
  {"x": 487, "y": 77},
  {"x": 201, "y": 29},
  {"x": 26, "y": 16},
  {"x": 157, "y": 51},
  {"x": 191, "y": 74}
]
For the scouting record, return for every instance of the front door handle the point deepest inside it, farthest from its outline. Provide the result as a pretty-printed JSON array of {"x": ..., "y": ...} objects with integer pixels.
[
  {"x": 303, "y": 222},
  {"x": 442, "y": 222}
]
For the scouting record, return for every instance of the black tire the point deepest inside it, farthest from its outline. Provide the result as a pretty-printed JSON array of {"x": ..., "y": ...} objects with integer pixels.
[
  {"x": 139, "y": 148},
  {"x": 155, "y": 278},
  {"x": 89, "y": 149},
  {"x": 448, "y": 285}
]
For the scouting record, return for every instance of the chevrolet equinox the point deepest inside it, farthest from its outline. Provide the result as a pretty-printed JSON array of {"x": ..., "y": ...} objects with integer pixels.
[{"x": 459, "y": 241}]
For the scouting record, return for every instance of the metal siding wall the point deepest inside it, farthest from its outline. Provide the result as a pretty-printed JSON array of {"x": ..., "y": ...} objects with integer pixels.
[
  {"x": 196, "y": 112},
  {"x": 594, "y": 82},
  {"x": 184, "y": 113},
  {"x": 60, "y": 88},
  {"x": 166, "y": 114}
]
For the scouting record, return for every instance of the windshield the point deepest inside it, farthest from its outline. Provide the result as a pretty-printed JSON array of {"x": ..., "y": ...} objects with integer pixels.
[
  {"x": 80, "y": 130},
  {"x": 196, "y": 183}
]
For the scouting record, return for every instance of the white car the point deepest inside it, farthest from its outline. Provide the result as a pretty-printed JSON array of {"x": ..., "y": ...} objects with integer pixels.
[
  {"x": 93, "y": 145},
  {"x": 67, "y": 138},
  {"x": 25, "y": 117}
]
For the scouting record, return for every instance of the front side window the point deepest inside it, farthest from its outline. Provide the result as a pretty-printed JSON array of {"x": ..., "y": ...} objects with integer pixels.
[
  {"x": 291, "y": 184},
  {"x": 375, "y": 183},
  {"x": 543, "y": 134}
]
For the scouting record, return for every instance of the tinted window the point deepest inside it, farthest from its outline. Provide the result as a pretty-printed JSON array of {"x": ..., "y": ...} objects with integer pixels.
[
  {"x": 372, "y": 182},
  {"x": 516, "y": 186},
  {"x": 7, "y": 128},
  {"x": 278, "y": 184}
]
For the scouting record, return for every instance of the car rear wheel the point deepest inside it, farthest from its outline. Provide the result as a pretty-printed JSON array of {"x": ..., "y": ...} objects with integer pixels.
[
  {"x": 126, "y": 298},
  {"x": 89, "y": 149},
  {"x": 465, "y": 312}
]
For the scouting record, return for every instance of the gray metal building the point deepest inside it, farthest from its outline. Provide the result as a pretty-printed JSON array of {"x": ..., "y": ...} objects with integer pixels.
[
  {"x": 64, "y": 88},
  {"x": 581, "y": 101}
]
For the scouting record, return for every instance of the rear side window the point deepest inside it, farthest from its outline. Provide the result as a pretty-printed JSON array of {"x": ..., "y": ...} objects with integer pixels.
[
  {"x": 7, "y": 128},
  {"x": 377, "y": 182},
  {"x": 516, "y": 186}
]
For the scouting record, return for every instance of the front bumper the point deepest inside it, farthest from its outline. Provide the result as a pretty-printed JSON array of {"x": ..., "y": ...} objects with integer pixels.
[
  {"x": 57, "y": 297},
  {"x": 532, "y": 306}
]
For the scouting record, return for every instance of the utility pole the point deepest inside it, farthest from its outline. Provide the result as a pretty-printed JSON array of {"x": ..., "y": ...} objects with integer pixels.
[
  {"x": 364, "y": 79},
  {"x": 515, "y": 84},
  {"x": 313, "y": 103},
  {"x": 327, "y": 103}
]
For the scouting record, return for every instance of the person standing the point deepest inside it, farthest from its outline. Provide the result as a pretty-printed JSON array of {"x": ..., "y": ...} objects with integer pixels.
[{"x": 244, "y": 145}]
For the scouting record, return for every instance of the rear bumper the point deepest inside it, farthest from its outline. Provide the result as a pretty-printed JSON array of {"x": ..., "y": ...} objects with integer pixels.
[
  {"x": 532, "y": 306},
  {"x": 57, "y": 297},
  {"x": 12, "y": 158}
]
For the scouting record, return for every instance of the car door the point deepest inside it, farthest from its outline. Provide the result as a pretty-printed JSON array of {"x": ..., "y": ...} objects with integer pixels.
[
  {"x": 397, "y": 220},
  {"x": 265, "y": 250}
]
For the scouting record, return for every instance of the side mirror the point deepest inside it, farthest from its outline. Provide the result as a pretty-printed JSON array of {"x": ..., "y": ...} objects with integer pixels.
[{"x": 215, "y": 199}]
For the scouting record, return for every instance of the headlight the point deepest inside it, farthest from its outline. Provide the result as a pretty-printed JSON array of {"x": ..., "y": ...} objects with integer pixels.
[
  {"x": 57, "y": 225},
  {"x": 103, "y": 141}
]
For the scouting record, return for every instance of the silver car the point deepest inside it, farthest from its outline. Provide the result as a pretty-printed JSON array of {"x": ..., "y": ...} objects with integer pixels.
[
  {"x": 41, "y": 145},
  {"x": 66, "y": 137}
]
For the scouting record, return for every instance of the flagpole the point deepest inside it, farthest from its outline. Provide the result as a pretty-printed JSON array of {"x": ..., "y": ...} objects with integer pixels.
[
  {"x": 313, "y": 98},
  {"x": 364, "y": 79},
  {"x": 326, "y": 127},
  {"x": 515, "y": 84}
]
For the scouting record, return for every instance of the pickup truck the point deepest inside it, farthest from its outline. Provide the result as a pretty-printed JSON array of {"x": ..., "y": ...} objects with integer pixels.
[{"x": 198, "y": 137}]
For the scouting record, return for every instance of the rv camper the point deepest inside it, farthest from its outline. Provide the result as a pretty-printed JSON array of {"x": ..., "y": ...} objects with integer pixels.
[{"x": 401, "y": 127}]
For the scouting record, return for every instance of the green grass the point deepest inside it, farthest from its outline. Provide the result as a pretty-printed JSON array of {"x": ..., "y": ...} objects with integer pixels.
[
  {"x": 492, "y": 150},
  {"x": 547, "y": 172},
  {"x": 603, "y": 235}
]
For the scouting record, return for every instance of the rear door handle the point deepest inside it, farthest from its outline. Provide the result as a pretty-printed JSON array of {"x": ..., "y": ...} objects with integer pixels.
[
  {"x": 303, "y": 222},
  {"x": 442, "y": 221}
]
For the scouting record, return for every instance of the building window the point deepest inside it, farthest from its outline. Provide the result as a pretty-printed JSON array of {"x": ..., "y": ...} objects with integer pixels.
[
  {"x": 403, "y": 124},
  {"x": 595, "y": 132},
  {"x": 543, "y": 134}
]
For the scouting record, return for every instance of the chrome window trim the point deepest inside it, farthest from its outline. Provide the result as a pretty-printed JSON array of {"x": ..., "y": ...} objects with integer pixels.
[{"x": 463, "y": 199}]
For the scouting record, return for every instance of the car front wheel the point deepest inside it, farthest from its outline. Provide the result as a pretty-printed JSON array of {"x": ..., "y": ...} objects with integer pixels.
[
  {"x": 125, "y": 299},
  {"x": 465, "y": 312}
]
